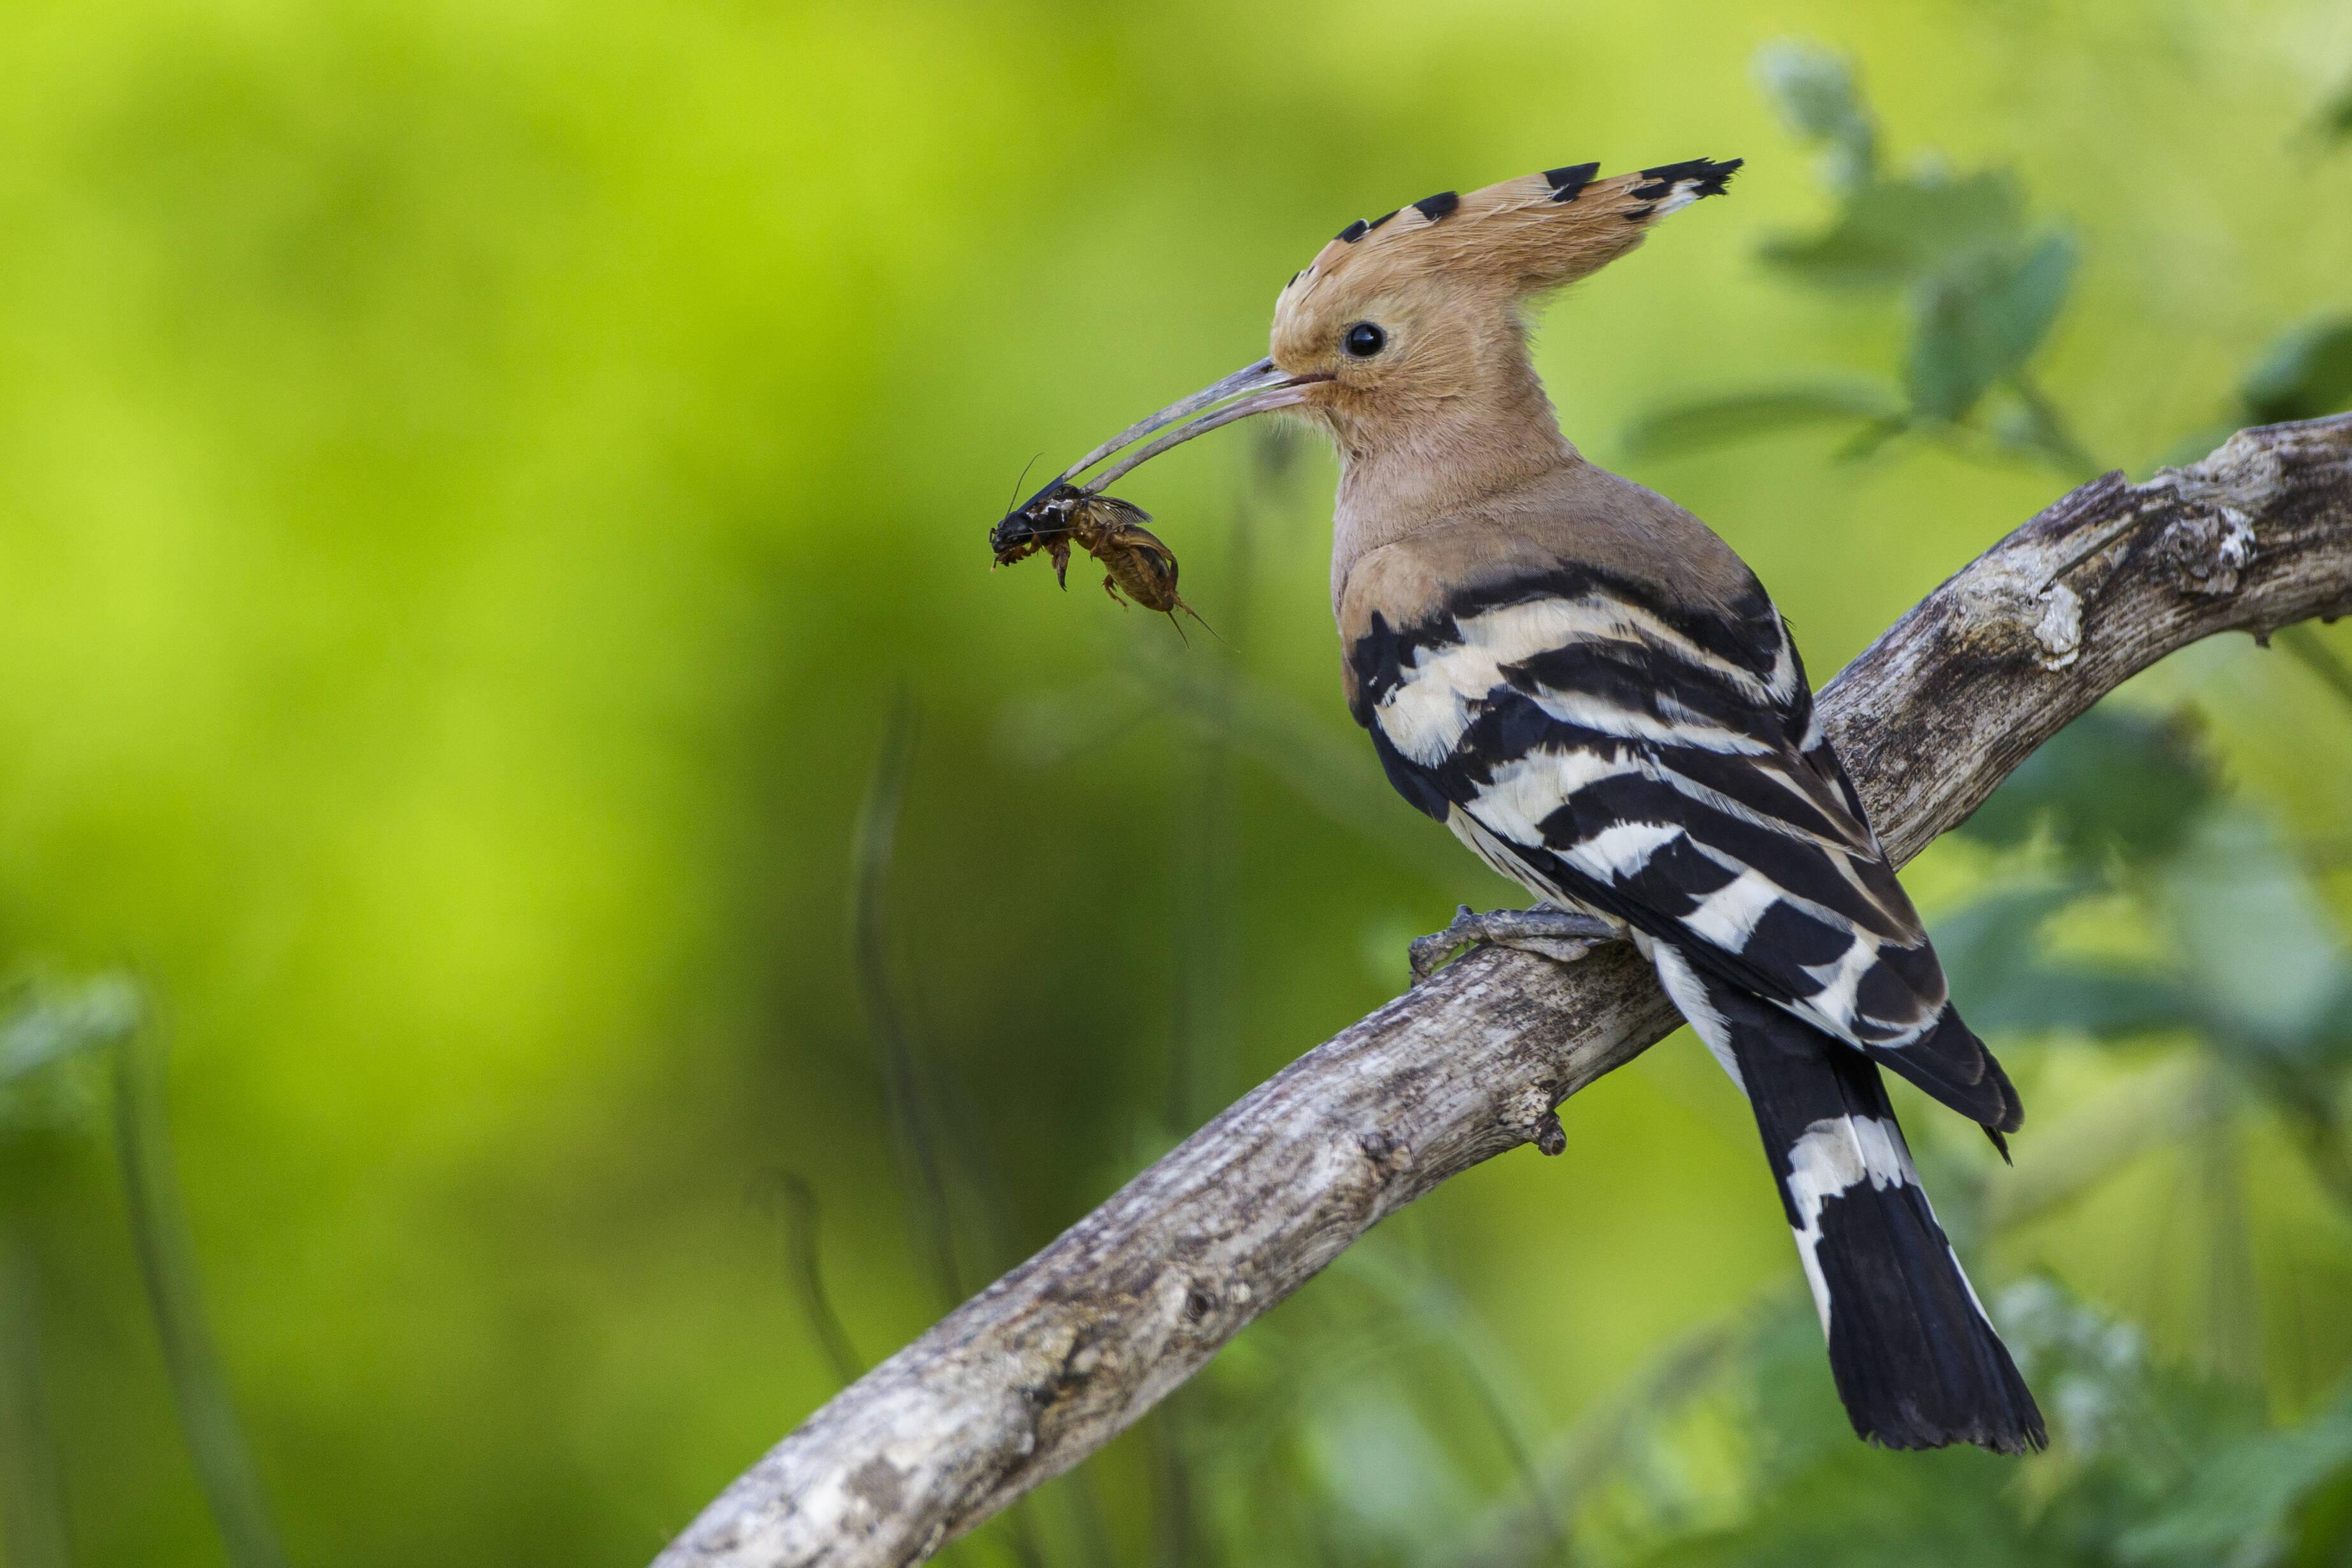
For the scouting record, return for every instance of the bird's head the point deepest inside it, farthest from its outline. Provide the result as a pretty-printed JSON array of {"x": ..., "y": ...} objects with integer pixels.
[{"x": 1406, "y": 326}]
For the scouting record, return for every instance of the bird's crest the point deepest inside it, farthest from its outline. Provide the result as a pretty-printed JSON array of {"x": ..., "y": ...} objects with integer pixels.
[{"x": 1535, "y": 233}]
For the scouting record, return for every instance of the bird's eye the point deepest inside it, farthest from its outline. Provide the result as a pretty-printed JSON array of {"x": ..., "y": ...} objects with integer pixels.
[{"x": 1364, "y": 339}]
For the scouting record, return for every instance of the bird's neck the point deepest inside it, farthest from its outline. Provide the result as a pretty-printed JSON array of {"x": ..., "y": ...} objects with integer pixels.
[{"x": 1398, "y": 477}]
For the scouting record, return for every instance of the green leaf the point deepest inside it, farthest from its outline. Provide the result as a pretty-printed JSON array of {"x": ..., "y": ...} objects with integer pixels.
[
  {"x": 1987, "y": 939},
  {"x": 2335, "y": 116},
  {"x": 2109, "y": 1002},
  {"x": 1714, "y": 422},
  {"x": 1976, "y": 323},
  {"x": 2112, "y": 783},
  {"x": 1992, "y": 953},
  {"x": 1814, "y": 90},
  {"x": 2328, "y": 1042},
  {"x": 1897, "y": 231},
  {"x": 2239, "y": 1505},
  {"x": 2256, "y": 943},
  {"x": 2305, "y": 374}
]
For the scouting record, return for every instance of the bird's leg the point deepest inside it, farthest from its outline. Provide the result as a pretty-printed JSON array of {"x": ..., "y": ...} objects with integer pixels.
[{"x": 1547, "y": 930}]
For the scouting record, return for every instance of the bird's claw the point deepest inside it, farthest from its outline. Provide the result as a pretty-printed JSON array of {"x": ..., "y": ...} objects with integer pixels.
[{"x": 1548, "y": 932}]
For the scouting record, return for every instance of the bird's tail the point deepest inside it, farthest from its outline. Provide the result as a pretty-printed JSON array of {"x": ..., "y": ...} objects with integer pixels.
[{"x": 1916, "y": 1361}]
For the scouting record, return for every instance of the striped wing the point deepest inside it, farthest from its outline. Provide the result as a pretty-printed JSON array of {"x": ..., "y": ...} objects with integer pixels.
[{"x": 1664, "y": 766}]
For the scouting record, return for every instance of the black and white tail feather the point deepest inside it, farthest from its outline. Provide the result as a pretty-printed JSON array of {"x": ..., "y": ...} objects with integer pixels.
[
  {"x": 1623, "y": 748},
  {"x": 1917, "y": 1364}
]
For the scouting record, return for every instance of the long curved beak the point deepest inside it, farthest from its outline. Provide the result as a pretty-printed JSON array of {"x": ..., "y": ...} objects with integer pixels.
[{"x": 1254, "y": 388}]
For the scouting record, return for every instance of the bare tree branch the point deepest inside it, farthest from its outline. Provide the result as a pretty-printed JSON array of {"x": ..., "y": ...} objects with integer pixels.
[{"x": 1046, "y": 1364}]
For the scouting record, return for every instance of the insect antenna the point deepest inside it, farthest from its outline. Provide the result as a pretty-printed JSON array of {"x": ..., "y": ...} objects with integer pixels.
[{"x": 1020, "y": 481}]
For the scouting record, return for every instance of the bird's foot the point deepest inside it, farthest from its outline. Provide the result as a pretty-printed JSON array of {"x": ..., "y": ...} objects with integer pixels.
[{"x": 1547, "y": 931}]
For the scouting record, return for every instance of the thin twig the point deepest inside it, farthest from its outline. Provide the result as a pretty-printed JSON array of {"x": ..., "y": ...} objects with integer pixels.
[
  {"x": 919, "y": 1143},
  {"x": 806, "y": 1268},
  {"x": 32, "y": 1499},
  {"x": 869, "y": 858},
  {"x": 167, "y": 1264},
  {"x": 2052, "y": 433}
]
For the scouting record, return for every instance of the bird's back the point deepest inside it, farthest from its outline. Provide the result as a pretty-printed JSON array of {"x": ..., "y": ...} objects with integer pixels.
[{"x": 1592, "y": 688}]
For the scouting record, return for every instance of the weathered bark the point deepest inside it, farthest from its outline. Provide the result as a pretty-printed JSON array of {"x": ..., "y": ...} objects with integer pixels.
[{"x": 1050, "y": 1362}]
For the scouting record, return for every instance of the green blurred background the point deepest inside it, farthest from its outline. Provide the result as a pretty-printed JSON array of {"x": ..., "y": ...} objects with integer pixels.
[{"x": 487, "y": 491}]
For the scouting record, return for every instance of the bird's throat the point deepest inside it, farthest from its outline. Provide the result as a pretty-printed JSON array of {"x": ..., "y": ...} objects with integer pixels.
[{"x": 1396, "y": 480}]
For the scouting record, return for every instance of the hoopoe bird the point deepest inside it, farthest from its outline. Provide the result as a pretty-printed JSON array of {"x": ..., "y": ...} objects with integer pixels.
[{"x": 1595, "y": 694}]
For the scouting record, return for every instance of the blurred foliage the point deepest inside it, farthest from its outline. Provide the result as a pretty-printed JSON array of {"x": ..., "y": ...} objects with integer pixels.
[
  {"x": 51, "y": 1034},
  {"x": 2147, "y": 1466},
  {"x": 478, "y": 480},
  {"x": 2335, "y": 116},
  {"x": 2248, "y": 961},
  {"x": 2307, "y": 373},
  {"x": 167, "y": 1262},
  {"x": 49, "y": 1031},
  {"x": 1981, "y": 285},
  {"x": 2114, "y": 785}
]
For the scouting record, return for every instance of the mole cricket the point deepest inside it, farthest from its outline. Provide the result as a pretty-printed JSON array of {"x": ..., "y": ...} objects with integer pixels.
[{"x": 1136, "y": 563}]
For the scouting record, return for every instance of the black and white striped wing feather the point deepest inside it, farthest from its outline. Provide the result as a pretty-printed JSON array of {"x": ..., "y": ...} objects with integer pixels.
[{"x": 1663, "y": 765}]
